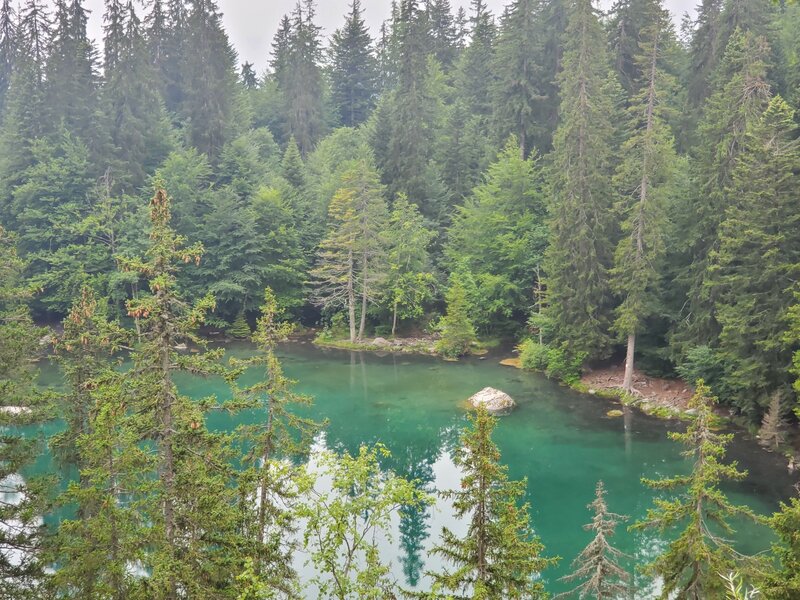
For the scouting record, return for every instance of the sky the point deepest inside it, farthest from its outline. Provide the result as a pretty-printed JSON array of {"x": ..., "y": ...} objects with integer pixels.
[{"x": 252, "y": 23}]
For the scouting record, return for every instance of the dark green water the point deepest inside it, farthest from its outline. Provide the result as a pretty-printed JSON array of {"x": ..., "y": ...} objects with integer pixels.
[{"x": 562, "y": 441}]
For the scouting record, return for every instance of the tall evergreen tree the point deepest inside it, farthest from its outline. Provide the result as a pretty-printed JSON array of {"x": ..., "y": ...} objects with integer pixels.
[
  {"x": 499, "y": 557},
  {"x": 741, "y": 96},
  {"x": 784, "y": 582},
  {"x": 354, "y": 69},
  {"x": 644, "y": 179},
  {"x": 692, "y": 565},
  {"x": 597, "y": 565},
  {"x": 189, "y": 553},
  {"x": 753, "y": 273},
  {"x": 20, "y": 569},
  {"x": 9, "y": 43},
  {"x": 518, "y": 95},
  {"x": 443, "y": 32},
  {"x": 579, "y": 255},
  {"x": 475, "y": 69},
  {"x": 348, "y": 268},
  {"x": 705, "y": 51}
]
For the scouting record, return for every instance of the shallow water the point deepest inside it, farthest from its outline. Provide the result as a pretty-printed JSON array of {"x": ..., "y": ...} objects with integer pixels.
[{"x": 561, "y": 441}]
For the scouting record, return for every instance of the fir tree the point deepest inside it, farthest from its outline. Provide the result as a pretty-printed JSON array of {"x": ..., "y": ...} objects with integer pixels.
[
  {"x": 784, "y": 583},
  {"x": 692, "y": 564},
  {"x": 456, "y": 329},
  {"x": 500, "y": 556},
  {"x": 9, "y": 43},
  {"x": 579, "y": 254},
  {"x": 772, "y": 433},
  {"x": 354, "y": 69},
  {"x": 597, "y": 565},
  {"x": 442, "y": 31}
]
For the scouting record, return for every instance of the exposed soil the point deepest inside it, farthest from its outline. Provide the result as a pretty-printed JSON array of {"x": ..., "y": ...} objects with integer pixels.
[{"x": 668, "y": 393}]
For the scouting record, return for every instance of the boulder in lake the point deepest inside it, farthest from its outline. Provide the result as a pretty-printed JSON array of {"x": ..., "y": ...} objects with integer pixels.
[{"x": 493, "y": 400}]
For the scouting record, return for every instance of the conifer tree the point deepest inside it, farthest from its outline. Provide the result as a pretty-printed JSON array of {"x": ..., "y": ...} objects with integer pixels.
[
  {"x": 517, "y": 95},
  {"x": 579, "y": 254},
  {"x": 644, "y": 178},
  {"x": 752, "y": 274},
  {"x": 190, "y": 554},
  {"x": 281, "y": 437},
  {"x": 443, "y": 33},
  {"x": 705, "y": 51},
  {"x": 20, "y": 569},
  {"x": 784, "y": 583},
  {"x": 692, "y": 564},
  {"x": 742, "y": 93},
  {"x": 500, "y": 556},
  {"x": 596, "y": 567},
  {"x": 9, "y": 43},
  {"x": 210, "y": 102},
  {"x": 456, "y": 329},
  {"x": 475, "y": 70},
  {"x": 354, "y": 69},
  {"x": 772, "y": 434},
  {"x": 348, "y": 264},
  {"x": 93, "y": 550}
]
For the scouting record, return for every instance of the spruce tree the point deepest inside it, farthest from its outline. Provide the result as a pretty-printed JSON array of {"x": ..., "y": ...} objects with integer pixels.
[
  {"x": 740, "y": 97},
  {"x": 517, "y": 93},
  {"x": 442, "y": 31},
  {"x": 596, "y": 567},
  {"x": 455, "y": 328},
  {"x": 500, "y": 556},
  {"x": 475, "y": 69},
  {"x": 9, "y": 46},
  {"x": 752, "y": 274},
  {"x": 354, "y": 69},
  {"x": 705, "y": 51},
  {"x": 644, "y": 179},
  {"x": 692, "y": 565},
  {"x": 579, "y": 254},
  {"x": 189, "y": 554}
]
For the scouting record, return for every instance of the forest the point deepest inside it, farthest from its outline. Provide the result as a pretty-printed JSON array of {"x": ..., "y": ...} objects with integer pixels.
[{"x": 595, "y": 187}]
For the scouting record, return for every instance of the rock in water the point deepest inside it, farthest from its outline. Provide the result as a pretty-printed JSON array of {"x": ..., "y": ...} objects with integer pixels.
[{"x": 493, "y": 400}]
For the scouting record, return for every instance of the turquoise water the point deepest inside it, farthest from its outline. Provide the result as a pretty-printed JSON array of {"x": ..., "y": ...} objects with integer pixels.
[{"x": 561, "y": 441}]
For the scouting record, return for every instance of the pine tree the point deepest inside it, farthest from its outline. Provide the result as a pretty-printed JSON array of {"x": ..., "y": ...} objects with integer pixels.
[
  {"x": 772, "y": 433},
  {"x": 692, "y": 564},
  {"x": 597, "y": 565},
  {"x": 705, "y": 51},
  {"x": 579, "y": 255},
  {"x": 500, "y": 556},
  {"x": 354, "y": 69},
  {"x": 752, "y": 274},
  {"x": 348, "y": 263},
  {"x": 644, "y": 178},
  {"x": 475, "y": 70},
  {"x": 443, "y": 33},
  {"x": 280, "y": 436},
  {"x": 190, "y": 554}
]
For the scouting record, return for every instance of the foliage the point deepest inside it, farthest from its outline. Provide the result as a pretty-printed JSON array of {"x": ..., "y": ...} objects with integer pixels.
[
  {"x": 455, "y": 328},
  {"x": 499, "y": 557},
  {"x": 692, "y": 564},
  {"x": 557, "y": 362},
  {"x": 342, "y": 524}
]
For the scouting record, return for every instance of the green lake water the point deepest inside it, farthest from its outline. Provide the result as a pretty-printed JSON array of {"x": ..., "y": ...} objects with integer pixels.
[{"x": 561, "y": 441}]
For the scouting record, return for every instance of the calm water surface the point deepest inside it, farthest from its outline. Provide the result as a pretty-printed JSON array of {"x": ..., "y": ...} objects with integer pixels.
[{"x": 561, "y": 441}]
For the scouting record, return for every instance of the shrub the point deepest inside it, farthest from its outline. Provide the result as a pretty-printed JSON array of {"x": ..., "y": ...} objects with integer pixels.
[
  {"x": 555, "y": 362},
  {"x": 239, "y": 328}
]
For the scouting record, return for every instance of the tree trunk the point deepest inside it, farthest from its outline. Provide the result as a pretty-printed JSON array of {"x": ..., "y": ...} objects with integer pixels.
[
  {"x": 394, "y": 319},
  {"x": 363, "y": 324},
  {"x": 351, "y": 299},
  {"x": 627, "y": 382}
]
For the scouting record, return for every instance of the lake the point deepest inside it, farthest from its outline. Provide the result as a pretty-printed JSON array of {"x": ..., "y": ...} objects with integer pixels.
[{"x": 561, "y": 441}]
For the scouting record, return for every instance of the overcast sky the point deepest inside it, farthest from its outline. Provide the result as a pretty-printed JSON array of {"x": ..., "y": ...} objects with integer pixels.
[{"x": 252, "y": 23}]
